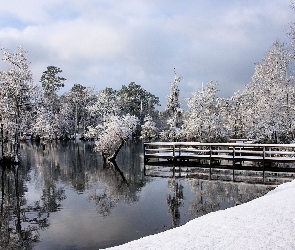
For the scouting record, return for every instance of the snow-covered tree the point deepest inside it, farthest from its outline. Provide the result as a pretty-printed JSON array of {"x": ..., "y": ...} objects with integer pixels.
[
  {"x": 104, "y": 106},
  {"x": 42, "y": 128},
  {"x": 173, "y": 109},
  {"x": 51, "y": 81},
  {"x": 79, "y": 98},
  {"x": 18, "y": 94},
  {"x": 64, "y": 121},
  {"x": 291, "y": 34},
  {"x": 135, "y": 100},
  {"x": 173, "y": 113},
  {"x": 269, "y": 98},
  {"x": 49, "y": 107},
  {"x": 236, "y": 115},
  {"x": 51, "y": 84},
  {"x": 203, "y": 120},
  {"x": 113, "y": 134},
  {"x": 149, "y": 130}
]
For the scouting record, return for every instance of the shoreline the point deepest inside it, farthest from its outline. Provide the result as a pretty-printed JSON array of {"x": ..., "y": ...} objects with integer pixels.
[{"x": 267, "y": 222}]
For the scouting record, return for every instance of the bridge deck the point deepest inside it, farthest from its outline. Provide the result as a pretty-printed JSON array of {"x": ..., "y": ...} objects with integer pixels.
[{"x": 236, "y": 152}]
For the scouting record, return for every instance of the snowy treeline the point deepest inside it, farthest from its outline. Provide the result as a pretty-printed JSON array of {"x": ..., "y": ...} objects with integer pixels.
[
  {"x": 28, "y": 109},
  {"x": 263, "y": 111}
]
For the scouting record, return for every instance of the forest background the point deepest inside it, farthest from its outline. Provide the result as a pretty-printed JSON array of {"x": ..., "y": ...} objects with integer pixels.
[{"x": 263, "y": 111}]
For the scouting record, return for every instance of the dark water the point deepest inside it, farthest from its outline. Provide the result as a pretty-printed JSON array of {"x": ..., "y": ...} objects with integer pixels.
[{"x": 64, "y": 197}]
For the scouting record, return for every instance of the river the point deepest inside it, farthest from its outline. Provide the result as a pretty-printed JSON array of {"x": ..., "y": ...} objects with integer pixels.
[{"x": 65, "y": 197}]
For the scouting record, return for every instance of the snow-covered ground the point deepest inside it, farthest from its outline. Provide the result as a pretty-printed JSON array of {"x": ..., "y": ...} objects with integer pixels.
[{"x": 267, "y": 222}]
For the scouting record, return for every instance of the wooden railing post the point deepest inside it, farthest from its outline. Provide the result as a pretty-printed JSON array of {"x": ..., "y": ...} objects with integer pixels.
[
  {"x": 173, "y": 150},
  {"x": 179, "y": 148},
  {"x": 263, "y": 156},
  {"x": 210, "y": 151},
  {"x": 144, "y": 153},
  {"x": 263, "y": 173}
]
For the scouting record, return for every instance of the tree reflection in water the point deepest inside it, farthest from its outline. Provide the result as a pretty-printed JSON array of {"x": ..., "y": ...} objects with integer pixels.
[
  {"x": 20, "y": 222},
  {"x": 116, "y": 187},
  {"x": 175, "y": 200},
  {"x": 78, "y": 165},
  {"x": 217, "y": 195}
]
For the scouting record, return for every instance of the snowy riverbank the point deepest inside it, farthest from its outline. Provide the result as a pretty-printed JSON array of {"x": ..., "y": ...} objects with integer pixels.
[{"x": 267, "y": 222}]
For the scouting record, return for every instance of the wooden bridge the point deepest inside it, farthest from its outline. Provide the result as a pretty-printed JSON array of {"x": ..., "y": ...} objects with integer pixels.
[
  {"x": 221, "y": 161},
  {"x": 173, "y": 152}
]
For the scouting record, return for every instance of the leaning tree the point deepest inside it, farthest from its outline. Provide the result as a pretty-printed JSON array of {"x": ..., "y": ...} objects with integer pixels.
[{"x": 112, "y": 134}]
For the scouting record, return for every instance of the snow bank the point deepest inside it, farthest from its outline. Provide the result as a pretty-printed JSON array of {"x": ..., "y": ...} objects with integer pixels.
[{"x": 267, "y": 222}]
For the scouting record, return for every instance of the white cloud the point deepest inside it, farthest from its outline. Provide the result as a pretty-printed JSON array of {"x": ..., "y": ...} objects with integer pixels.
[{"x": 111, "y": 43}]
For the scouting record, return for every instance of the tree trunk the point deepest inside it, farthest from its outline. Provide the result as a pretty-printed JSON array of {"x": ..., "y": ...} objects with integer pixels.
[
  {"x": 118, "y": 170},
  {"x": 113, "y": 157}
]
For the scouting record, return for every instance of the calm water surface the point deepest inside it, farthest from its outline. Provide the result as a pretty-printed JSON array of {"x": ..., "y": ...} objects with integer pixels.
[{"x": 64, "y": 197}]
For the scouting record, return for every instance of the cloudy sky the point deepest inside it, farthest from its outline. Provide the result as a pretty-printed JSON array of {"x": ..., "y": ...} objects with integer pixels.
[{"x": 110, "y": 43}]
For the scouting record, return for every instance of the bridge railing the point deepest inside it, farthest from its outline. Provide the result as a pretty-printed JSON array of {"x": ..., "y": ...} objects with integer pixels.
[{"x": 229, "y": 151}]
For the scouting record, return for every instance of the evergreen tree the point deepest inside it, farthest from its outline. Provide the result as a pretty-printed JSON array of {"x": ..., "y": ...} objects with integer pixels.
[
  {"x": 135, "y": 100},
  {"x": 51, "y": 81},
  {"x": 173, "y": 114},
  {"x": 173, "y": 109}
]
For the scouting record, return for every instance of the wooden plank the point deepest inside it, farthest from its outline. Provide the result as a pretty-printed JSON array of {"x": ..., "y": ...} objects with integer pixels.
[{"x": 227, "y": 151}]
